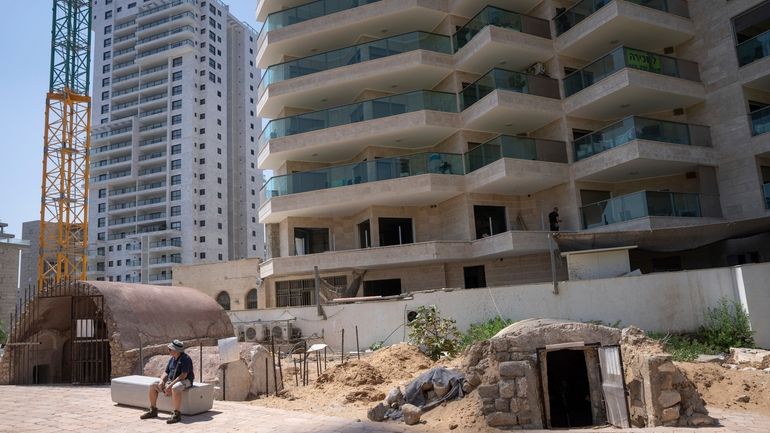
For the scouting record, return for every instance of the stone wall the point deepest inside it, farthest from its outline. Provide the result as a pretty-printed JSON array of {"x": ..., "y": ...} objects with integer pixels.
[
  {"x": 507, "y": 382},
  {"x": 658, "y": 393}
]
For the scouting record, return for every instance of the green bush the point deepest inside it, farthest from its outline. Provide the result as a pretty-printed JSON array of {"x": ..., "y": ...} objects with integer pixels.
[
  {"x": 483, "y": 331},
  {"x": 3, "y": 335},
  {"x": 433, "y": 334},
  {"x": 727, "y": 325}
]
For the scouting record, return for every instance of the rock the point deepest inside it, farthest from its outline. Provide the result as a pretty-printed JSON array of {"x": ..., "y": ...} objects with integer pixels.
[
  {"x": 467, "y": 388},
  {"x": 667, "y": 366},
  {"x": 501, "y": 419},
  {"x": 256, "y": 362},
  {"x": 507, "y": 388},
  {"x": 515, "y": 407},
  {"x": 699, "y": 420},
  {"x": 440, "y": 390},
  {"x": 377, "y": 413},
  {"x": 474, "y": 379},
  {"x": 488, "y": 391},
  {"x": 411, "y": 413},
  {"x": 502, "y": 356},
  {"x": 743, "y": 398},
  {"x": 756, "y": 358},
  {"x": 237, "y": 380},
  {"x": 670, "y": 414},
  {"x": 394, "y": 396},
  {"x": 669, "y": 398},
  {"x": 521, "y": 387},
  {"x": 513, "y": 368},
  {"x": 710, "y": 358},
  {"x": 452, "y": 426},
  {"x": 502, "y": 405}
]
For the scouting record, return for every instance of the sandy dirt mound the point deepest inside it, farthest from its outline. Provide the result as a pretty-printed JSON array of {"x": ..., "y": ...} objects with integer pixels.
[
  {"x": 352, "y": 374},
  {"x": 729, "y": 389},
  {"x": 399, "y": 361}
]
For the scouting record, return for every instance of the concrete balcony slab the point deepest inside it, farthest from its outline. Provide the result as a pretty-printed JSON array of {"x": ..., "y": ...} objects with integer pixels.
[
  {"x": 512, "y": 113},
  {"x": 624, "y": 23},
  {"x": 633, "y": 92},
  {"x": 501, "y": 47},
  {"x": 420, "y": 190},
  {"x": 340, "y": 143},
  {"x": 516, "y": 177},
  {"x": 413, "y": 70},
  {"x": 640, "y": 159}
]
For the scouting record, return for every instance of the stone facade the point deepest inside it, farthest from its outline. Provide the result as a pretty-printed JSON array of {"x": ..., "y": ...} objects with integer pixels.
[{"x": 509, "y": 371}]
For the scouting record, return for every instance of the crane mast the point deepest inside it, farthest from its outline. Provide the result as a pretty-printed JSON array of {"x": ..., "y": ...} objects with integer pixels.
[{"x": 67, "y": 138}]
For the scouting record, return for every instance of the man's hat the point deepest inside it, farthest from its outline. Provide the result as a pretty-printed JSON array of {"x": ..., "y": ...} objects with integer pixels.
[{"x": 176, "y": 346}]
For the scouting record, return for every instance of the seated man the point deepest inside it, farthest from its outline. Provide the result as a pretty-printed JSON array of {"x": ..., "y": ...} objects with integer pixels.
[{"x": 177, "y": 378}]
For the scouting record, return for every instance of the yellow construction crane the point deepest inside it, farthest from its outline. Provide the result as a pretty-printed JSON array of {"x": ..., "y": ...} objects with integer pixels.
[{"x": 64, "y": 199}]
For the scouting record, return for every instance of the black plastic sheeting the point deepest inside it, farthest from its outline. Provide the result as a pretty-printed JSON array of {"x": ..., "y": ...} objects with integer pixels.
[
  {"x": 440, "y": 377},
  {"x": 663, "y": 239}
]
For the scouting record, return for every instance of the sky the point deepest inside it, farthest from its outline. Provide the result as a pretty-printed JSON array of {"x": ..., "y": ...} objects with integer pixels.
[{"x": 25, "y": 41}]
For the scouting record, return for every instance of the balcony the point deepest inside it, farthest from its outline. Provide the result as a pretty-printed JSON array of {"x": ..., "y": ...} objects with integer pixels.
[
  {"x": 330, "y": 24},
  {"x": 110, "y": 163},
  {"x": 760, "y": 121},
  {"x": 646, "y": 204},
  {"x": 407, "y": 62},
  {"x": 585, "y": 30},
  {"x": 516, "y": 165},
  {"x": 631, "y": 82},
  {"x": 110, "y": 148},
  {"x": 500, "y": 37},
  {"x": 153, "y": 10},
  {"x": 639, "y": 148},
  {"x": 380, "y": 182},
  {"x": 510, "y": 102},
  {"x": 506, "y": 244},
  {"x": 175, "y": 48},
  {"x": 754, "y": 49},
  {"x": 339, "y": 137}
]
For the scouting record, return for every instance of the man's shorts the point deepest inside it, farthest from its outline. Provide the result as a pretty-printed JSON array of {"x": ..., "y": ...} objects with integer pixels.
[{"x": 179, "y": 386}]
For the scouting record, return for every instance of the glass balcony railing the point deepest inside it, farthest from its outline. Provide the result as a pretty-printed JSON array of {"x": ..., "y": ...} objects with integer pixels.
[
  {"x": 308, "y": 11},
  {"x": 492, "y": 16},
  {"x": 511, "y": 81},
  {"x": 363, "y": 172},
  {"x": 754, "y": 49},
  {"x": 760, "y": 121},
  {"x": 569, "y": 18},
  {"x": 506, "y": 146},
  {"x": 649, "y": 203},
  {"x": 623, "y": 57},
  {"x": 640, "y": 128},
  {"x": 356, "y": 54},
  {"x": 359, "y": 112}
]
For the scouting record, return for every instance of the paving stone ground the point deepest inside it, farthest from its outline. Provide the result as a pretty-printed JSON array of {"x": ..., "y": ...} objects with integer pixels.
[{"x": 47, "y": 409}]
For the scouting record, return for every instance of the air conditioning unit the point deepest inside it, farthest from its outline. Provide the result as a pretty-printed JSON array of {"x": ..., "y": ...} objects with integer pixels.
[
  {"x": 281, "y": 331},
  {"x": 254, "y": 332}
]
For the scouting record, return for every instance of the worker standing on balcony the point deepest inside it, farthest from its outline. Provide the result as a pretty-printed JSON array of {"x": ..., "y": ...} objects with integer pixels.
[{"x": 554, "y": 220}]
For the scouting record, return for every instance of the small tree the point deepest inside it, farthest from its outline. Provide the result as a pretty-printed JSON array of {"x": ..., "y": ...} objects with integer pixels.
[
  {"x": 727, "y": 325},
  {"x": 434, "y": 334}
]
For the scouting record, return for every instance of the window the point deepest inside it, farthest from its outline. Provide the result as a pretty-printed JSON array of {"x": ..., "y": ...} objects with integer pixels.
[
  {"x": 176, "y": 149},
  {"x": 251, "y": 299},
  {"x": 176, "y": 195},
  {"x": 106, "y": 94},
  {"x": 176, "y": 105},
  {"x": 101, "y": 222},
  {"x": 107, "y": 42},
  {"x": 475, "y": 277},
  {"x": 395, "y": 231},
  {"x": 295, "y": 293},
  {"x": 490, "y": 220},
  {"x": 103, "y": 193},
  {"x": 176, "y": 134},
  {"x": 102, "y": 207},
  {"x": 105, "y": 81},
  {"x": 176, "y": 62},
  {"x": 176, "y": 90},
  {"x": 310, "y": 240},
  {"x": 202, "y": 191},
  {"x": 388, "y": 287},
  {"x": 176, "y": 179},
  {"x": 107, "y": 55},
  {"x": 223, "y": 299},
  {"x": 202, "y": 161},
  {"x": 176, "y": 119},
  {"x": 176, "y": 76},
  {"x": 105, "y": 109},
  {"x": 176, "y": 210},
  {"x": 202, "y": 223},
  {"x": 106, "y": 68},
  {"x": 202, "y": 239},
  {"x": 108, "y": 15},
  {"x": 107, "y": 30},
  {"x": 176, "y": 164}
]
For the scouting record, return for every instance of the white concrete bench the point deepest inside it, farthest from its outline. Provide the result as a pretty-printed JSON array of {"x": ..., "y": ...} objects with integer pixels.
[{"x": 133, "y": 390}]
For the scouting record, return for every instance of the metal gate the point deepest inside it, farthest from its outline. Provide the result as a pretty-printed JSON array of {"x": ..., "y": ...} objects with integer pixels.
[
  {"x": 612, "y": 385},
  {"x": 58, "y": 335}
]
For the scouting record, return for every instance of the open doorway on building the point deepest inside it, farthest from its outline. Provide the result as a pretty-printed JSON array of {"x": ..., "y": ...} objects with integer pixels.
[
  {"x": 475, "y": 277},
  {"x": 311, "y": 240},
  {"x": 395, "y": 231},
  {"x": 569, "y": 393},
  {"x": 390, "y": 287},
  {"x": 364, "y": 235},
  {"x": 490, "y": 220}
]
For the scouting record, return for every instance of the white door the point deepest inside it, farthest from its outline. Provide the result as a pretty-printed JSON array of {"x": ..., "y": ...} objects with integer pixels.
[{"x": 612, "y": 385}]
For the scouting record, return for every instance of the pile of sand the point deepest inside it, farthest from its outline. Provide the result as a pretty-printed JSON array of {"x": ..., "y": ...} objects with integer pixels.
[{"x": 729, "y": 389}]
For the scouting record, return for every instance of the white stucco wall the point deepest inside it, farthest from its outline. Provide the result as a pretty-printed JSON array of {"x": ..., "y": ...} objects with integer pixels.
[
  {"x": 600, "y": 264},
  {"x": 673, "y": 301}
]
